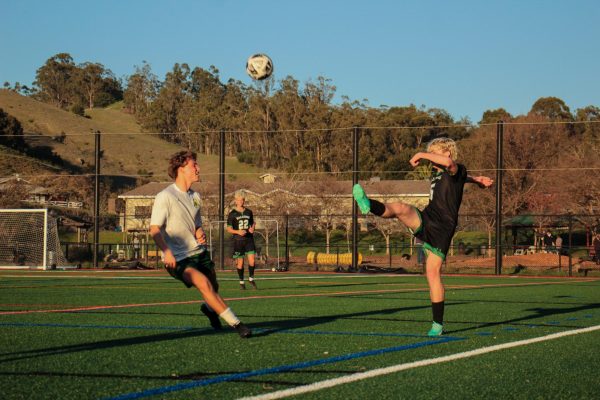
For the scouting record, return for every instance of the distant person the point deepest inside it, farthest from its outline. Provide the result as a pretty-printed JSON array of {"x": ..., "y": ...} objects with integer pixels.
[
  {"x": 558, "y": 244},
  {"x": 548, "y": 241},
  {"x": 240, "y": 223},
  {"x": 136, "y": 247},
  {"x": 435, "y": 225},
  {"x": 596, "y": 245},
  {"x": 176, "y": 227}
]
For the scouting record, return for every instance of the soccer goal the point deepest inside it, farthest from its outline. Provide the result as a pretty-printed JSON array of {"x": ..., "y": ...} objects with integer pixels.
[
  {"x": 29, "y": 239},
  {"x": 266, "y": 240}
]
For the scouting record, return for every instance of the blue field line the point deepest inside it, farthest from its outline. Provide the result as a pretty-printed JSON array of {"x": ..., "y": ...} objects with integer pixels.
[{"x": 279, "y": 369}]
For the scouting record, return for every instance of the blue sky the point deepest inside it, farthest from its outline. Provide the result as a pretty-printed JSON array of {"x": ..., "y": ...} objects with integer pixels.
[{"x": 464, "y": 56}]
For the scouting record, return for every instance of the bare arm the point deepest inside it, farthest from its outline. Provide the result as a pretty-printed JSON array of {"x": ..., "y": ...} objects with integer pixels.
[
  {"x": 445, "y": 162},
  {"x": 481, "y": 181},
  {"x": 160, "y": 242},
  {"x": 200, "y": 235}
]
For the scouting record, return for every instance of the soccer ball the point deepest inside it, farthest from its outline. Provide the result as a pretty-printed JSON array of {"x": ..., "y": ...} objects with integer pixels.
[{"x": 259, "y": 66}]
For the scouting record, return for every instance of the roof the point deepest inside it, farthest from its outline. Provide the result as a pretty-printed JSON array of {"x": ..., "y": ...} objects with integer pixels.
[
  {"x": 8, "y": 183},
  {"x": 306, "y": 188}
]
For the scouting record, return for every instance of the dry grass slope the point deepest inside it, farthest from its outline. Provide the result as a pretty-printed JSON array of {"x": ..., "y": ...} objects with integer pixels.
[{"x": 126, "y": 151}]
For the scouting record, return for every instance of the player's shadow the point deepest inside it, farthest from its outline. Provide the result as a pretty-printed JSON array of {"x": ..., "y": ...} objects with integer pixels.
[
  {"x": 536, "y": 313},
  {"x": 276, "y": 326},
  {"x": 104, "y": 344}
]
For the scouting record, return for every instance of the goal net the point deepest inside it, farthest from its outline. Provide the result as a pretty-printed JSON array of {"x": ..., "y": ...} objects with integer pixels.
[{"x": 29, "y": 239}]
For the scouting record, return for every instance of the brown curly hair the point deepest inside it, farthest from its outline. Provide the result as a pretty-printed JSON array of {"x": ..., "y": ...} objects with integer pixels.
[{"x": 179, "y": 159}]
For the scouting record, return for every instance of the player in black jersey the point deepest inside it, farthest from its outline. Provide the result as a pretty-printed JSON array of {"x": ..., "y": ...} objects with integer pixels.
[
  {"x": 435, "y": 225},
  {"x": 240, "y": 223}
]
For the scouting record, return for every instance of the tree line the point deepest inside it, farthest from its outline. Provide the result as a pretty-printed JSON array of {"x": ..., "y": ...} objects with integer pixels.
[
  {"x": 71, "y": 86},
  {"x": 285, "y": 124},
  {"x": 296, "y": 127}
]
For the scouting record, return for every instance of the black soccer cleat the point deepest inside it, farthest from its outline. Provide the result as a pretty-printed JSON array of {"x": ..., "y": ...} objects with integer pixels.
[
  {"x": 212, "y": 316},
  {"x": 253, "y": 284},
  {"x": 242, "y": 286},
  {"x": 243, "y": 330}
]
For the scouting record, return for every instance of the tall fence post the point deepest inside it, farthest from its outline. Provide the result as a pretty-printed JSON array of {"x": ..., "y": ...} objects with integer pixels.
[
  {"x": 96, "y": 198},
  {"x": 355, "y": 140},
  {"x": 499, "y": 167},
  {"x": 287, "y": 247},
  {"x": 570, "y": 217},
  {"x": 222, "y": 198}
]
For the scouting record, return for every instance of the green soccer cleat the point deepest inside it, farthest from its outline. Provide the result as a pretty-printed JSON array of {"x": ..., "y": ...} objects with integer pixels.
[
  {"x": 361, "y": 199},
  {"x": 436, "y": 329}
]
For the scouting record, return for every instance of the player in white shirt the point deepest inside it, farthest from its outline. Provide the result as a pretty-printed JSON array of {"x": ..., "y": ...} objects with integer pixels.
[{"x": 176, "y": 227}]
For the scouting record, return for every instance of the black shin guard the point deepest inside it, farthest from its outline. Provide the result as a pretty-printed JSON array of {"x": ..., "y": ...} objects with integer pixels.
[
  {"x": 240, "y": 272},
  {"x": 251, "y": 271},
  {"x": 377, "y": 207},
  {"x": 438, "y": 312}
]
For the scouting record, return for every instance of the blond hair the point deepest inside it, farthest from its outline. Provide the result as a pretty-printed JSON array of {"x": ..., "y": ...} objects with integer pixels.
[
  {"x": 239, "y": 195},
  {"x": 443, "y": 144}
]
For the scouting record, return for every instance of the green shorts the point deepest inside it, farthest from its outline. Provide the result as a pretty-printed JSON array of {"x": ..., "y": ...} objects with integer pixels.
[{"x": 200, "y": 262}]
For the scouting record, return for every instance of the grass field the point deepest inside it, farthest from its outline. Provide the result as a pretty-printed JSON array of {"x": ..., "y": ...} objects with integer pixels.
[{"x": 138, "y": 334}]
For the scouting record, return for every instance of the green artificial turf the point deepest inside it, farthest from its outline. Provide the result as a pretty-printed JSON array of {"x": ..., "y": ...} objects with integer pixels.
[{"x": 138, "y": 331}]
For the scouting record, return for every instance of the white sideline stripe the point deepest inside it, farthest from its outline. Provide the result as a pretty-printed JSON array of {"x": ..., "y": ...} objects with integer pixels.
[{"x": 313, "y": 387}]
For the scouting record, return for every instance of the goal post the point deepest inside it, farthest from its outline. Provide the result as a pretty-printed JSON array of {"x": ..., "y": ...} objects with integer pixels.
[{"x": 29, "y": 239}]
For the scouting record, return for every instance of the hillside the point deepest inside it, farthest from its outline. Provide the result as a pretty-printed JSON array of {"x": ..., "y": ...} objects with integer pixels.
[{"x": 126, "y": 151}]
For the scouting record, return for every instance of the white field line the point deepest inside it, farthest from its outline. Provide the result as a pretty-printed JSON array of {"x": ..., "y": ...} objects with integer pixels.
[{"x": 313, "y": 387}]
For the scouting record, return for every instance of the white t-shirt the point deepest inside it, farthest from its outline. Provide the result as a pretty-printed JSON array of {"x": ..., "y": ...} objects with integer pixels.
[{"x": 177, "y": 213}]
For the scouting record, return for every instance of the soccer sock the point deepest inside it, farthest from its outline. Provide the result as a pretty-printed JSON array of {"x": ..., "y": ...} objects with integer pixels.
[
  {"x": 438, "y": 312},
  {"x": 377, "y": 207},
  {"x": 229, "y": 317},
  {"x": 240, "y": 272},
  {"x": 251, "y": 272}
]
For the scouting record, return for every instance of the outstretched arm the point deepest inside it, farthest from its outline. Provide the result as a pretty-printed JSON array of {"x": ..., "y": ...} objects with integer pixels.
[{"x": 481, "y": 181}]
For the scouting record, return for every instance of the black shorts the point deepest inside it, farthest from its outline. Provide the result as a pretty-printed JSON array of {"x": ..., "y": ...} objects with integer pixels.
[
  {"x": 436, "y": 236},
  {"x": 243, "y": 245},
  {"x": 200, "y": 262}
]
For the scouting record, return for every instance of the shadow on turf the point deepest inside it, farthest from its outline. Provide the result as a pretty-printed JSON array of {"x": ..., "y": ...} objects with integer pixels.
[
  {"x": 105, "y": 344},
  {"x": 536, "y": 314},
  {"x": 261, "y": 328},
  {"x": 187, "y": 377},
  {"x": 275, "y": 326}
]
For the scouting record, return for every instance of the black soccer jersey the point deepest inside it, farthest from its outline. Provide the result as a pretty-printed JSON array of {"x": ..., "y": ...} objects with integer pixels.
[
  {"x": 446, "y": 196},
  {"x": 440, "y": 217},
  {"x": 241, "y": 220}
]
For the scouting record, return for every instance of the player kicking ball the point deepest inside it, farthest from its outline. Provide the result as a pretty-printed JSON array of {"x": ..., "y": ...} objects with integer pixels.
[{"x": 435, "y": 225}]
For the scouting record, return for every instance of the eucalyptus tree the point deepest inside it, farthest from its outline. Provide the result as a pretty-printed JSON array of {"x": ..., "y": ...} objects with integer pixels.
[
  {"x": 142, "y": 88},
  {"x": 55, "y": 79}
]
